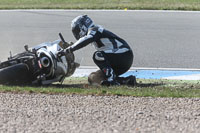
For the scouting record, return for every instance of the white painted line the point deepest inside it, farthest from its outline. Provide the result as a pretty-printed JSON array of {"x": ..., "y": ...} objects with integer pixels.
[
  {"x": 147, "y": 68},
  {"x": 165, "y": 69},
  {"x": 84, "y": 72},
  {"x": 99, "y": 10},
  {"x": 184, "y": 77}
]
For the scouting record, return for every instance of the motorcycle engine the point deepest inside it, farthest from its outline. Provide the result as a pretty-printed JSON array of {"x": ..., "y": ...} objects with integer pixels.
[{"x": 45, "y": 62}]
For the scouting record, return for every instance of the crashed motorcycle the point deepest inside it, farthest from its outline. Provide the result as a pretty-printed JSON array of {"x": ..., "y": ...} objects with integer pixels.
[{"x": 43, "y": 64}]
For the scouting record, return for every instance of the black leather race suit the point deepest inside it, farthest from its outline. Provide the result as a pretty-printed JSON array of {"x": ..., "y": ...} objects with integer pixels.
[{"x": 112, "y": 51}]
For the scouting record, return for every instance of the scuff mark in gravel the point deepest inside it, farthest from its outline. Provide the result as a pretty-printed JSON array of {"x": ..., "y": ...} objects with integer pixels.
[{"x": 74, "y": 113}]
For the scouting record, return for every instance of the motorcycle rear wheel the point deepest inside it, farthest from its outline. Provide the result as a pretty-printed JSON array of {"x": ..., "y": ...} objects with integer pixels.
[{"x": 15, "y": 75}]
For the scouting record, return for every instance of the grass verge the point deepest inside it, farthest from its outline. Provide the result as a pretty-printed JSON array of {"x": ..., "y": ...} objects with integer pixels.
[
  {"x": 145, "y": 88},
  {"x": 102, "y": 4}
]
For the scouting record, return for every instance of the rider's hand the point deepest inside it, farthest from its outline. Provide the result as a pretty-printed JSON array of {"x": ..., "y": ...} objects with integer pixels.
[
  {"x": 68, "y": 50},
  {"x": 64, "y": 52},
  {"x": 67, "y": 44},
  {"x": 70, "y": 43}
]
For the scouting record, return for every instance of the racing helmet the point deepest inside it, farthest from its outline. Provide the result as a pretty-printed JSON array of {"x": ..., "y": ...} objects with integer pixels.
[{"x": 80, "y": 26}]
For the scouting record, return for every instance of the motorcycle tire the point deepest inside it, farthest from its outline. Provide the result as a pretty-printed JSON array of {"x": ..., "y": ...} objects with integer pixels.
[{"x": 15, "y": 75}]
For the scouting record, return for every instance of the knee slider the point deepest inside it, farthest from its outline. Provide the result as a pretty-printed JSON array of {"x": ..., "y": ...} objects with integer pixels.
[{"x": 98, "y": 56}]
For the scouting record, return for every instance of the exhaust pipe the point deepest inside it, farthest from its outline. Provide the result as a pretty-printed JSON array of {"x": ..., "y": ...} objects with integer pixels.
[{"x": 45, "y": 61}]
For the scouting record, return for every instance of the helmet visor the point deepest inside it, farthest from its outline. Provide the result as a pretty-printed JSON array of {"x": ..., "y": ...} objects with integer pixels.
[{"x": 76, "y": 31}]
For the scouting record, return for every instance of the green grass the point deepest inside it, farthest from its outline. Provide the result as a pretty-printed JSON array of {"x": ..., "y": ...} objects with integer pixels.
[
  {"x": 102, "y": 4},
  {"x": 145, "y": 88}
]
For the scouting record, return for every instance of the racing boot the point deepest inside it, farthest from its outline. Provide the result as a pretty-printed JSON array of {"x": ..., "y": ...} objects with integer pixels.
[
  {"x": 130, "y": 80},
  {"x": 110, "y": 77}
]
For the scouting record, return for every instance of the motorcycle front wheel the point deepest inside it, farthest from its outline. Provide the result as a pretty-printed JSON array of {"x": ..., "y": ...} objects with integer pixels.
[{"x": 17, "y": 74}]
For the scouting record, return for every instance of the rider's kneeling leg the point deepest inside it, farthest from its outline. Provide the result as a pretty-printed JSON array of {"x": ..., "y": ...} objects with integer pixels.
[{"x": 101, "y": 61}]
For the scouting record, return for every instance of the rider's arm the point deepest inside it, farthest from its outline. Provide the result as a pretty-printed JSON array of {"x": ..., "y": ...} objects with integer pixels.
[{"x": 82, "y": 42}]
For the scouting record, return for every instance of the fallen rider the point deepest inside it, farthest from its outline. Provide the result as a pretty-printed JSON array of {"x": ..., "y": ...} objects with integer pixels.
[{"x": 114, "y": 56}]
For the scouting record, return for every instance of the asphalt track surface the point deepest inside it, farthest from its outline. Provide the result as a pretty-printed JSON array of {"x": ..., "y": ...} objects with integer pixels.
[{"x": 159, "y": 39}]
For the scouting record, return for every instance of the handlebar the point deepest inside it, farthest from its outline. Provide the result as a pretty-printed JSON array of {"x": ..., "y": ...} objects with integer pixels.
[
  {"x": 61, "y": 37},
  {"x": 63, "y": 40}
]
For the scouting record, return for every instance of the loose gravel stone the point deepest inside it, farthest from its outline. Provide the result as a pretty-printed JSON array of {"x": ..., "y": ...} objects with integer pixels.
[{"x": 74, "y": 113}]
